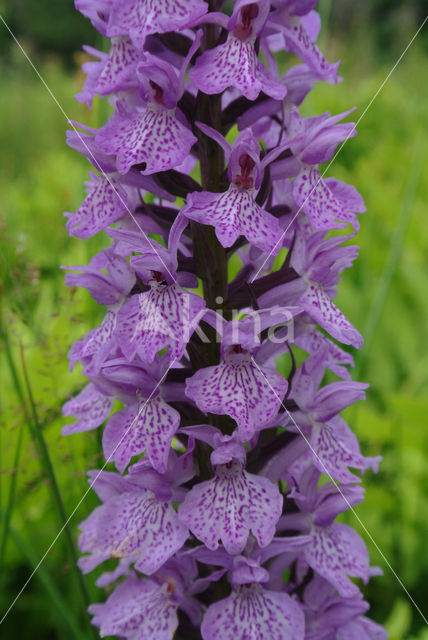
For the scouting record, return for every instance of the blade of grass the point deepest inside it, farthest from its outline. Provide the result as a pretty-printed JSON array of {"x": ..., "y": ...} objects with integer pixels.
[
  {"x": 11, "y": 497},
  {"x": 12, "y": 368},
  {"x": 48, "y": 583},
  {"x": 12, "y": 486},
  {"x": 37, "y": 434}
]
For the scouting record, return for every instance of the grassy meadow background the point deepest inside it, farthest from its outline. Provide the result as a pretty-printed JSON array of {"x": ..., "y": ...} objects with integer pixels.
[{"x": 42, "y": 474}]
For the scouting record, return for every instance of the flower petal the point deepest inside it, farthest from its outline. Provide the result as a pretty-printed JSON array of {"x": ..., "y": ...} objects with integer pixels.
[
  {"x": 140, "y": 18},
  {"x": 235, "y": 213},
  {"x": 337, "y": 552},
  {"x": 335, "y": 397},
  {"x": 299, "y": 42},
  {"x": 361, "y": 629},
  {"x": 233, "y": 64},
  {"x": 333, "y": 456},
  {"x": 231, "y": 504},
  {"x": 106, "y": 202},
  {"x": 154, "y": 137},
  {"x": 90, "y": 407},
  {"x": 165, "y": 316},
  {"x": 148, "y": 426},
  {"x": 251, "y": 395},
  {"x": 135, "y": 525},
  {"x": 119, "y": 67},
  {"x": 137, "y": 608},
  {"x": 313, "y": 340},
  {"x": 316, "y": 200},
  {"x": 316, "y": 302},
  {"x": 113, "y": 72},
  {"x": 99, "y": 343},
  {"x": 254, "y": 613}
]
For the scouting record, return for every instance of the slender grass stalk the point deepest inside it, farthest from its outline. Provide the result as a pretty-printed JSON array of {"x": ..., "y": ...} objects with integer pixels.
[
  {"x": 12, "y": 487},
  {"x": 46, "y": 463},
  {"x": 64, "y": 611},
  {"x": 11, "y": 497}
]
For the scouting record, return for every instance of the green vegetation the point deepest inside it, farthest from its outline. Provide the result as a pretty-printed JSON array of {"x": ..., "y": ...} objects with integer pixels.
[{"x": 384, "y": 295}]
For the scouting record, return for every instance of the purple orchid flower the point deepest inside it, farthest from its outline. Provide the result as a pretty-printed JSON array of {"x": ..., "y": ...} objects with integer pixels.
[
  {"x": 250, "y": 393},
  {"x": 319, "y": 261},
  {"x": 235, "y": 63},
  {"x": 97, "y": 11},
  {"x": 107, "y": 201},
  {"x": 313, "y": 141},
  {"x": 141, "y": 18},
  {"x": 147, "y": 424},
  {"x": 147, "y": 607},
  {"x": 91, "y": 407},
  {"x": 334, "y": 446},
  {"x": 152, "y": 133},
  {"x": 253, "y": 611},
  {"x": 233, "y": 502},
  {"x": 299, "y": 26},
  {"x": 136, "y": 518},
  {"x": 329, "y": 615},
  {"x": 236, "y": 211},
  {"x": 114, "y": 71}
]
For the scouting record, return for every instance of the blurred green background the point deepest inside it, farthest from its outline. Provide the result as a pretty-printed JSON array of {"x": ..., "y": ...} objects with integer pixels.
[{"x": 385, "y": 295}]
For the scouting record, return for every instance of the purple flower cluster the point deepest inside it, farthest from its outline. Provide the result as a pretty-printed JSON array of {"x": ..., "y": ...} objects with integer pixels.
[{"x": 230, "y": 475}]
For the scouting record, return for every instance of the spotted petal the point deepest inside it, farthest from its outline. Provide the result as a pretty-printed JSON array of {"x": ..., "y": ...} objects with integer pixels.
[
  {"x": 140, "y": 18},
  {"x": 318, "y": 305},
  {"x": 137, "y": 609},
  {"x": 299, "y": 42},
  {"x": 235, "y": 213},
  {"x": 233, "y": 64},
  {"x": 106, "y": 202},
  {"x": 154, "y": 137},
  {"x": 333, "y": 455},
  {"x": 337, "y": 552},
  {"x": 99, "y": 343},
  {"x": 254, "y": 613},
  {"x": 350, "y": 200},
  {"x": 250, "y": 394},
  {"x": 165, "y": 316},
  {"x": 228, "y": 506},
  {"x": 316, "y": 200},
  {"x": 120, "y": 66},
  {"x": 148, "y": 426},
  {"x": 90, "y": 407},
  {"x": 312, "y": 341},
  {"x": 88, "y": 542},
  {"x": 113, "y": 72},
  {"x": 134, "y": 525}
]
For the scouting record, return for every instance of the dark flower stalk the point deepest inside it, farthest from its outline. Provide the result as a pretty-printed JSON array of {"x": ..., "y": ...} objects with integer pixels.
[{"x": 216, "y": 513}]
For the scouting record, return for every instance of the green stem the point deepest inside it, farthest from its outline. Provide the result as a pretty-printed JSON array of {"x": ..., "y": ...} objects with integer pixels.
[
  {"x": 37, "y": 435},
  {"x": 210, "y": 256},
  {"x": 211, "y": 157},
  {"x": 11, "y": 498},
  {"x": 12, "y": 487},
  {"x": 46, "y": 580}
]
